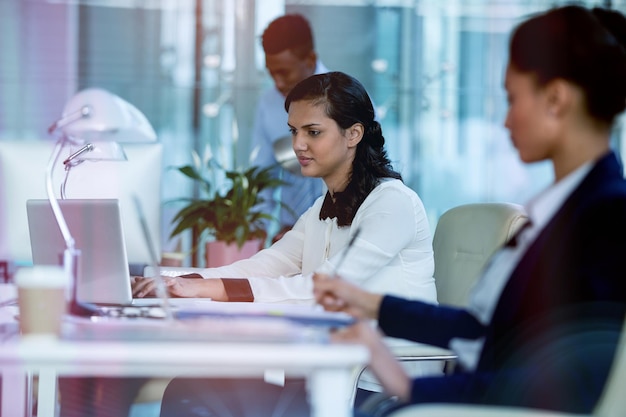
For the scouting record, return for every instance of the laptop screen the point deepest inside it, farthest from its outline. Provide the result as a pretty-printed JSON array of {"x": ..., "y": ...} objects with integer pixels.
[{"x": 96, "y": 226}]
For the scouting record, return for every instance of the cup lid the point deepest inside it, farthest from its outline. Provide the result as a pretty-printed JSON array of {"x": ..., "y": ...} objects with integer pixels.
[{"x": 41, "y": 276}]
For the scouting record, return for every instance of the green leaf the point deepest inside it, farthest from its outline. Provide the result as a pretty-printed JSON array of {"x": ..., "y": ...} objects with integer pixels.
[{"x": 228, "y": 215}]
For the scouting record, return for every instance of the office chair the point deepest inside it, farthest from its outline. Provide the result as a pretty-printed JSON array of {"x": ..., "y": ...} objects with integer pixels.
[{"x": 464, "y": 239}]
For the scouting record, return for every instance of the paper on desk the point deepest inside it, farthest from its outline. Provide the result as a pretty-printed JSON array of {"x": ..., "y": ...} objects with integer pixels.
[
  {"x": 301, "y": 314},
  {"x": 200, "y": 329}
]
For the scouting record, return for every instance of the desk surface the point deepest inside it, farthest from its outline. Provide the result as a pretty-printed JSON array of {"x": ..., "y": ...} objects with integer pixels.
[
  {"x": 149, "y": 346},
  {"x": 239, "y": 351},
  {"x": 176, "y": 358},
  {"x": 328, "y": 368}
]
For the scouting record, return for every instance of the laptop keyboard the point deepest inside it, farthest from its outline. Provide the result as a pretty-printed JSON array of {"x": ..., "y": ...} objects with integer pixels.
[{"x": 133, "y": 312}]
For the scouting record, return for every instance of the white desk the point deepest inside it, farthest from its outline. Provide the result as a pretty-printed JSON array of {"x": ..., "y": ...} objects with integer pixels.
[{"x": 327, "y": 367}]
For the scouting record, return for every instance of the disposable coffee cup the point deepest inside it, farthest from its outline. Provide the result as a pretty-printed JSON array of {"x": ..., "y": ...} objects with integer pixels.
[
  {"x": 41, "y": 295},
  {"x": 172, "y": 259}
]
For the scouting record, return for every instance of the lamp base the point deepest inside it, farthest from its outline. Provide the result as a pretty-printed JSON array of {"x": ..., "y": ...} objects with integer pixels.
[{"x": 78, "y": 308}]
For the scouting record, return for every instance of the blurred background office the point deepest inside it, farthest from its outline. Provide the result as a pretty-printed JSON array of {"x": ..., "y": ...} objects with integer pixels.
[{"x": 195, "y": 68}]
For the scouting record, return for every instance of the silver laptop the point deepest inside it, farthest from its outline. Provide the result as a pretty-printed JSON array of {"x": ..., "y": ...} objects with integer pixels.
[
  {"x": 103, "y": 275},
  {"x": 96, "y": 226}
]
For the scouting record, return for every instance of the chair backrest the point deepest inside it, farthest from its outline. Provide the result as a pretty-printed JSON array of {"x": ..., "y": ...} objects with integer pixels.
[
  {"x": 612, "y": 403},
  {"x": 464, "y": 239}
]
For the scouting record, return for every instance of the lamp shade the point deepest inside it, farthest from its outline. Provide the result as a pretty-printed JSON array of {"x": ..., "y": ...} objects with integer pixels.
[{"x": 96, "y": 115}]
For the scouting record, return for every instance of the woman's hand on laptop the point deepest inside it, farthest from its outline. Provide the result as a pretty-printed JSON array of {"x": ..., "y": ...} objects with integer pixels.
[
  {"x": 143, "y": 287},
  {"x": 180, "y": 287},
  {"x": 176, "y": 286}
]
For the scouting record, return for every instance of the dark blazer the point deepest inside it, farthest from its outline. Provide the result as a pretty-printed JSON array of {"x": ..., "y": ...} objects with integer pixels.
[{"x": 555, "y": 327}]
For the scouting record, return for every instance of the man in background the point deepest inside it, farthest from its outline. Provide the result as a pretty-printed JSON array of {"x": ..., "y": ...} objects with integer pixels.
[{"x": 289, "y": 58}]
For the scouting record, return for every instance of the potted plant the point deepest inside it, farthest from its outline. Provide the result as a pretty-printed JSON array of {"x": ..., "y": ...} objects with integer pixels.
[{"x": 226, "y": 208}]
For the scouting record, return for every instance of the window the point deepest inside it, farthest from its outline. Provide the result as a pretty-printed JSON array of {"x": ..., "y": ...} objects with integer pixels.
[{"x": 434, "y": 69}]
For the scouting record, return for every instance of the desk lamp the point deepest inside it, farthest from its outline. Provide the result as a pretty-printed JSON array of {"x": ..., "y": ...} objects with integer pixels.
[{"x": 96, "y": 120}]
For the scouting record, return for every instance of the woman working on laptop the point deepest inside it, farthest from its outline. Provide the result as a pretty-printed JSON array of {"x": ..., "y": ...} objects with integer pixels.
[
  {"x": 543, "y": 322},
  {"x": 335, "y": 136}
]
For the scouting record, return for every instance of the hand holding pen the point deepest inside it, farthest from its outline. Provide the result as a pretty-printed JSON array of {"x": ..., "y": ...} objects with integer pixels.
[
  {"x": 340, "y": 295},
  {"x": 324, "y": 274},
  {"x": 335, "y": 271}
]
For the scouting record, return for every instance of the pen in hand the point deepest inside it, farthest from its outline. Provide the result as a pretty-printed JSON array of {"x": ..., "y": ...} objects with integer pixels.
[{"x": 330, "y": 300}]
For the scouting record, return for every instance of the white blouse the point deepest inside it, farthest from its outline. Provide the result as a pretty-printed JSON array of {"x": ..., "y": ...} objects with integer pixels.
[{"x": 392, "y": 254}]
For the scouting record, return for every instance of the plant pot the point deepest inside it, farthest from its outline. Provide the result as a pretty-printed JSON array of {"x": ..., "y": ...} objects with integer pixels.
[{"x": 218, "y": 253}]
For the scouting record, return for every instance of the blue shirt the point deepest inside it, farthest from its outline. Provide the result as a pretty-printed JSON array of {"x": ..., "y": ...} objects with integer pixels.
[{"x": 270, "y": 125}]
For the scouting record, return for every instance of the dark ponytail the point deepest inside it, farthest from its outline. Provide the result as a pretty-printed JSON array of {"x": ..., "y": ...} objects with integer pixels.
[{"x": 585, "y": 47}]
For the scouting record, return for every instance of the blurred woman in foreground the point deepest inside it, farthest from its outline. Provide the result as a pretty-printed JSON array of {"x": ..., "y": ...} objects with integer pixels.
[{"x": 542, "y": 325}]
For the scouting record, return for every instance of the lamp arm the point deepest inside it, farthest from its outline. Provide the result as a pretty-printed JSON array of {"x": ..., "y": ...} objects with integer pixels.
[
  {"x": 71, "y": 254},
  {"x": 56, "y": 209},
  {"x": 70, "y": 159},
  {"x": 64, "y": 183},
  {"x": 70, "y": 118}
]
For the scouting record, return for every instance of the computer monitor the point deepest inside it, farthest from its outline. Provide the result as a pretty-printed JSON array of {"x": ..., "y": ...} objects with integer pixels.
[{"x": 23, "y": 174}]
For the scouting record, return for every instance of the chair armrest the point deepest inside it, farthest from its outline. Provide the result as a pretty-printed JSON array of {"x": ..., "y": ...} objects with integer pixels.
[
  {"x": 170, "y": 271},
  {"x": 465, "y": 410}
]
